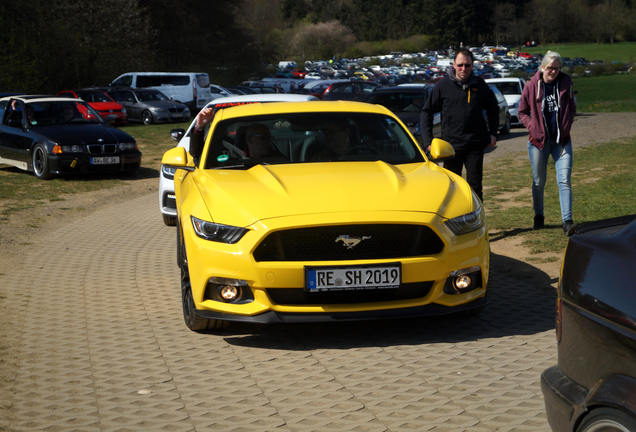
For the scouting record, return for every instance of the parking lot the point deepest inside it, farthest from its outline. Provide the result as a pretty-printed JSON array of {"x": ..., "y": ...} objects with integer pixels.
[
  {"x": 98, "y": 343},
  {"x": 93, "y": 339}
]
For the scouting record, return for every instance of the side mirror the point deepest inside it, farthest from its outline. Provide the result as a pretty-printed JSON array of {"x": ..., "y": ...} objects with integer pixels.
[
  {"x": 441, "y": 150},
  {"x": 178, "y": 158},
  {"x": 177, "y": 134}
]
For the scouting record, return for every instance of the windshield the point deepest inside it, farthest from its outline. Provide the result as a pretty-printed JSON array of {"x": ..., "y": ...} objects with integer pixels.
[
  {"x": 94, "y": 96},
  {"x": 151, "y": 95},
  {"x": 509, "y": 88},
  {"x": 243, "y": 142},
  {"x": 60, "y": 112},
  {"x": 401, "y": 102}
]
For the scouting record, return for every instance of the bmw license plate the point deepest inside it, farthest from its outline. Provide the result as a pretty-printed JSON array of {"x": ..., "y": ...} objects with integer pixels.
[
  {"x": 353, "y": 277},
  {"x": 104, "y": 160}
]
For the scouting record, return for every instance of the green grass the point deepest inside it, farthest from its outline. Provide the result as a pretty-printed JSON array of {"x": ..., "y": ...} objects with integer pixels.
[
  {"x": 20, "y": 190},
  {"x": 603, "y": 186},
  {"x": 624, "y": 52},
  {"x": 607, "y": 93}
]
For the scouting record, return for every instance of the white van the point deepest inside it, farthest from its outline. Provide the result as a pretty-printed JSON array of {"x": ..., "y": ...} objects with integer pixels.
[{"x": 190, "y": 88}]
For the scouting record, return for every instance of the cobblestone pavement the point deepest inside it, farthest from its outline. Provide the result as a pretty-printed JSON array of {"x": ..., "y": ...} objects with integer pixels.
[{"x": 93, "y": 340}]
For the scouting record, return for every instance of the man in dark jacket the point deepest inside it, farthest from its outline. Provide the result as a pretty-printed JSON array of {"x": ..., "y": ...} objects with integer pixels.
[{"x": 462, "y": 98}]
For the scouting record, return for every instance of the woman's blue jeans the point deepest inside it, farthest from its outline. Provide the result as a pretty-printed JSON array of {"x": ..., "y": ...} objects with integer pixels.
[{"x": 562, "y": 156}]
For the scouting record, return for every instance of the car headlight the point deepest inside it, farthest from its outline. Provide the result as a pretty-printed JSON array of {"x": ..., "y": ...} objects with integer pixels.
[
  {"x": 123, "y": 110},
  {"x": 217, "y": 232},
  {"x": 72, "y": 149},
  {"x": 469, "y": 222},
  {"x": 168, "y": 171},
  {"x": 127, "y": 146}
]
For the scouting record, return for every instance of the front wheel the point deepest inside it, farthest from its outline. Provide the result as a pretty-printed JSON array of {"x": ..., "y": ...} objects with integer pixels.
[
  {"x": 607, "y": 420},
  {"x": 146, "y": 117},
  {"x": 192, "y": 320},
  {"x": 41, "y": 163}
]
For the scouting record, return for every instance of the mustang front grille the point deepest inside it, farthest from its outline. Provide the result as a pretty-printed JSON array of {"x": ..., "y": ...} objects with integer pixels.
[
  {"x": 298, "y": 296},
  {"x": 349, "y": 242}
]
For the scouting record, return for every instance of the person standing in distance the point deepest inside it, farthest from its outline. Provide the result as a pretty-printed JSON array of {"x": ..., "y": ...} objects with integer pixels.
[
  {"x": 547, "y": 109},
  {"x": 462, "y": 98}
]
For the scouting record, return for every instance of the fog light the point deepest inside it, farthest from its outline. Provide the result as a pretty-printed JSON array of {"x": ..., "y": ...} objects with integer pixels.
[
  {"x": 229, "y": 292},
  {"x": 462, "y": 282}
]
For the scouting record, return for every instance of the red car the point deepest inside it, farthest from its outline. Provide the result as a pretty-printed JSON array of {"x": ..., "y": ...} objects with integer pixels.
[{"x": 107, "y": 107}]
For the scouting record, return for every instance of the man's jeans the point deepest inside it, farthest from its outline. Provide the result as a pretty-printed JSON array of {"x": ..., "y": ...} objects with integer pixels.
[{"x": 562, "y": 156}]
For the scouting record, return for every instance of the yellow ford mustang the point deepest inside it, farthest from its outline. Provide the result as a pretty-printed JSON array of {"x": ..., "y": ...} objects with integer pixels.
[{"x": 318, "y": 211}]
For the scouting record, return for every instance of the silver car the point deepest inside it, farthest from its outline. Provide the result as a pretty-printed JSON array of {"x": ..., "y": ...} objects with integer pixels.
[{"x": 150, "y": 106}]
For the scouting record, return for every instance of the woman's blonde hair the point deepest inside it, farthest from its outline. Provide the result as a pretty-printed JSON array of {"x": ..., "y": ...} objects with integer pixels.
[{"x": 549, "y": 57}]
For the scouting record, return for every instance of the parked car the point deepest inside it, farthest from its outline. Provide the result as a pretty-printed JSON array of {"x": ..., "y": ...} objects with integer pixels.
[
  {"x": 327, "y": 222},
  {"x": 353, "y": 90},
  {"x": 51, "y": 136},
  {"x": 107, "y": 107},
  {"x": 593, "y": 386},
  {"x": 167, "y": 204},
  {"x": 150, "y": 106},
  {"x": 504, "y": 113},
  {"x": 511, "y": 88},
  {"x": 190, "y": 88},
  {"x": 407, "y": 102}
]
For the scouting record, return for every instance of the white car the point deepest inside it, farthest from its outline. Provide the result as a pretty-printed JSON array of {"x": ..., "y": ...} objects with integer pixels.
[
  {"x": 167, "y": 204},
  {"x": 511, "y": 88}
]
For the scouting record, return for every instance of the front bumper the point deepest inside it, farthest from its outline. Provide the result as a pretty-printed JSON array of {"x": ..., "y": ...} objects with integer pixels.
[
  {"x": 81, "y": 163},
  {"x": 563, "y": 399},
  {"x": 277, "y": 287},
  {"x": 167, "y": 202},
  {"x": 273, "y": 317}
]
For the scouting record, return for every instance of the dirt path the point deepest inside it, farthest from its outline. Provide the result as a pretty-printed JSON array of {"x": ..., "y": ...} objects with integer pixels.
[{"x": 18, "y": 233}]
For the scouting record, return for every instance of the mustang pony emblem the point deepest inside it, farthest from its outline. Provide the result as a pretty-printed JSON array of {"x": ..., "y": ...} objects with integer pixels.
[{"x": 350, "y": 242}]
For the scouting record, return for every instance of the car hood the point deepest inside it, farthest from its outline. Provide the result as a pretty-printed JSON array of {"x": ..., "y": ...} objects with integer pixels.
[
  {"x": 72, "y": 134},
  {"x": 103, "y": 106},
  {"x": 242, "y": 197}
]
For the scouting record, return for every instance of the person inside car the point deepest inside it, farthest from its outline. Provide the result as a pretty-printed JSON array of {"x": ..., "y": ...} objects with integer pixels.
[{"x": 258, "y": 144}]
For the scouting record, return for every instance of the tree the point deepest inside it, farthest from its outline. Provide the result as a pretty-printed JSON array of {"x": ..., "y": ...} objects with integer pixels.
[{"x": 322, "y": 40}]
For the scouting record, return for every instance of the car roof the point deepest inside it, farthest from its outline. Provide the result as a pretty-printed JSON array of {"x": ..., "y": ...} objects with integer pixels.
[
  {"x": 496, "y": 80},
  {"x": 401, "y": 89},
  {"x": 261, "y": 97},
  {"x": 41, "y": 98},
  {"x": 304, "y": 107}
]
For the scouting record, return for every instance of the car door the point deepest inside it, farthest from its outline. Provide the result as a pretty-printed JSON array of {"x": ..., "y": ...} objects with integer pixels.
[
  {"x": 15, "y": 139},
  {"x": 128, "y": 100}
]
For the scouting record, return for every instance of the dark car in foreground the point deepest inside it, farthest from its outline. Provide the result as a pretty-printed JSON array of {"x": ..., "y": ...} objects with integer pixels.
[
  {"x": 54, "y": 135},
  {"x": 150, "y": 106},
  {"x": 593, "y": 386}
]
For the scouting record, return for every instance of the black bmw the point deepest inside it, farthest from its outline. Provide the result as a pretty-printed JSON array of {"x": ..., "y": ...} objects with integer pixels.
[
  {"x": 53, "y": 136},
  {"x": 593, "y": 386}
]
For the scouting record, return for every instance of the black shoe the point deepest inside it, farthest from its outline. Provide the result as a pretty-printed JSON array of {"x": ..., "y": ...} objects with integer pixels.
[
  {"x": 538, "y": 222},
  {"x": 568, "y": 227}
]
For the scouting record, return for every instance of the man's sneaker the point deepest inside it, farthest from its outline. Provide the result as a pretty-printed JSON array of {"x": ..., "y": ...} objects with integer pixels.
[
  {"x": 538, "y": 222},
  {"x": 568, "y": 227}
]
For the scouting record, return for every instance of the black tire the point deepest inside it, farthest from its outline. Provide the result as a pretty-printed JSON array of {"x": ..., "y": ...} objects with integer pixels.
[
  {"x": 192, "y": 320},
  {"x": 146, "y": 117},
  {"x": 607, "y": 420},
  {"x": 40, "y": 159},
  {"x": 169, "y": 219},
  {"x": 506, "y": 128}
]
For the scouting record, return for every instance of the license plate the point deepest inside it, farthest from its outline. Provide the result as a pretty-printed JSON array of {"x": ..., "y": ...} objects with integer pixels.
[
  {"x": 352, "y": 277},
  {"x": 105, "y": 160}
]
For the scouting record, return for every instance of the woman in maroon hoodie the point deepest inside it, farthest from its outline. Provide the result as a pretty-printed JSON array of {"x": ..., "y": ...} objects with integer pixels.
[{"x": 547, "y": 109}]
